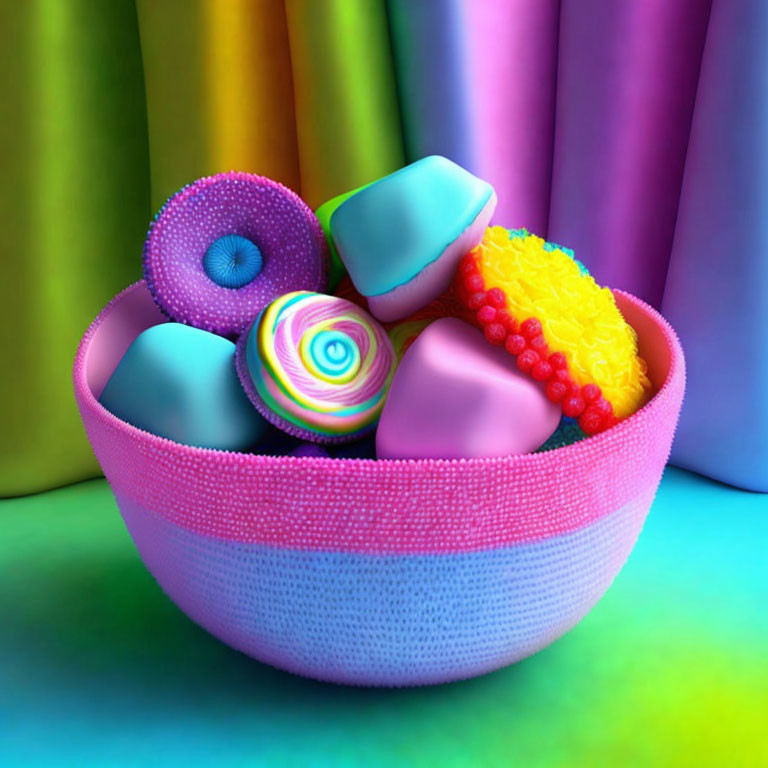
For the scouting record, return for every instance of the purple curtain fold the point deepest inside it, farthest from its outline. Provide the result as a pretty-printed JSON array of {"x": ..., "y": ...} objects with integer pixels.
[
  {"x": 717, "y": 287},
  {"x": 477, "y": 84},
  {"x": 626, "y": 85}
]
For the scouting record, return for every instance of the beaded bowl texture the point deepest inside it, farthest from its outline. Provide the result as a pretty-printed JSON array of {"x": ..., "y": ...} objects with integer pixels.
[{"x": 382, "y": 572}]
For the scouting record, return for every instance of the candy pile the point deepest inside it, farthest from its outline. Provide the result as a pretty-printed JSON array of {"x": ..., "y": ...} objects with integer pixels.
[
  {"x": 563, "y": 329},
  {"x": 480, "y": 342}
]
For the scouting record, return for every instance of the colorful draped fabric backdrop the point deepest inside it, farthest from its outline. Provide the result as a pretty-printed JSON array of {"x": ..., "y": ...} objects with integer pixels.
[{"x": 634, "y": 132}]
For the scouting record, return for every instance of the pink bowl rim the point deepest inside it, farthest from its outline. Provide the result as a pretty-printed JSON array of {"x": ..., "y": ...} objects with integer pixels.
[{"x": 89, "y": 400}]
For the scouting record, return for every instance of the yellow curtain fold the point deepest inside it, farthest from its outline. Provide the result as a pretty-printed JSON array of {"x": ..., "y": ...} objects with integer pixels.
[{"x": 219, "y": 91}]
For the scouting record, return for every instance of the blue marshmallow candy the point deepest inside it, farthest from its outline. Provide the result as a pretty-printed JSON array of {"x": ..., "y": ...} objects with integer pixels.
[
  {"x": 179, "y": 382},
  {"x": 401, "y": 238}
]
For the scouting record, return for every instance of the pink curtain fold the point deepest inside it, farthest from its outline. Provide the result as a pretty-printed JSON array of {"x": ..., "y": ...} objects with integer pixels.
[
  {"x": 477, "y": 84},
  {"x": 626, "y": 85}
]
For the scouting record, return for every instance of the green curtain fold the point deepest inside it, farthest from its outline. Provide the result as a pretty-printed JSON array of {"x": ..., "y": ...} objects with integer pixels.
[
  {"x": 74, "y": 209},
  {"x": 347, "y": 116}
]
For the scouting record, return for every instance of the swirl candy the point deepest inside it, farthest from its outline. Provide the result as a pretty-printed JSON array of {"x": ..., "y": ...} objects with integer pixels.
[
  {"x": 317, "y": 367},
  {"x": 563, "y": 329}
]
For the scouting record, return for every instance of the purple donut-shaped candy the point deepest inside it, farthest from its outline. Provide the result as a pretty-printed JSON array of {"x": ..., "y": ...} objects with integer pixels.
[{"x": 225, "y": 246}]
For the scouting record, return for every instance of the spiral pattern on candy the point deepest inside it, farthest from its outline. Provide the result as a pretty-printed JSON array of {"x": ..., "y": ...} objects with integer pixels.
[{"x": 317, "y": 367}]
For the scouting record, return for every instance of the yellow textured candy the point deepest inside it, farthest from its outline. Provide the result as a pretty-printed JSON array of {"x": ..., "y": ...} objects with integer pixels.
[{"x": 578, "y": 317}]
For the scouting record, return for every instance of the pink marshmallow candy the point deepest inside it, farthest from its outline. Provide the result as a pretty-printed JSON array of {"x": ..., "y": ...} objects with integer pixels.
[{"x": 456, "y": 396}]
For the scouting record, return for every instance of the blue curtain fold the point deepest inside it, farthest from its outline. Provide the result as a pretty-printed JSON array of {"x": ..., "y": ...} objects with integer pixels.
[{"x": 717, "y": 287}]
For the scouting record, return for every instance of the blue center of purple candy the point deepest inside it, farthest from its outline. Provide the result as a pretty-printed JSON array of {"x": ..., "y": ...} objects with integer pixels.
[{"x": 232, "y": 261}]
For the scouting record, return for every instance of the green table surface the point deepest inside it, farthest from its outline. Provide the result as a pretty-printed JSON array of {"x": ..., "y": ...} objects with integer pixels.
[{"x": 98, "y": 667}]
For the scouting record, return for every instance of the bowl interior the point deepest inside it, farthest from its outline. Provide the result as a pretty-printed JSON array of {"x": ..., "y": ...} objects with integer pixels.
[
  {"x": 653, "y": 340},
  {"x": 137, "y": 311}
]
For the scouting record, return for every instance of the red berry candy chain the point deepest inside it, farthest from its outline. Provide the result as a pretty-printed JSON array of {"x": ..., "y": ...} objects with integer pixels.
[{"x": 525, "y": 342}]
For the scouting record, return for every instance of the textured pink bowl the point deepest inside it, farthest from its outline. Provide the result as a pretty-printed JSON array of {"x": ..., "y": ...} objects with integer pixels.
[{"x": 382, "y": 572}]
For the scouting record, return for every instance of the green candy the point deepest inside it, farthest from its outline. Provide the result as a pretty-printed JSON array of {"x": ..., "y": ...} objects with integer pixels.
[{"x": 324, "y": 213}]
